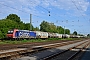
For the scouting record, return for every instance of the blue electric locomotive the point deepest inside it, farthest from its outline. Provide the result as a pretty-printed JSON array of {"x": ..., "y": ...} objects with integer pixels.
[{"x": 21, "y": 34}]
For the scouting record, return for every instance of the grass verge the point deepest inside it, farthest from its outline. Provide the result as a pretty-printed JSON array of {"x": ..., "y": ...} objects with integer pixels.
[{"x": 34, "y": 40}]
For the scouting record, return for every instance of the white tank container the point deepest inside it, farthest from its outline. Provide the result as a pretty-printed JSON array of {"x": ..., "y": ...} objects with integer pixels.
[{"x": 40, "y": 34}]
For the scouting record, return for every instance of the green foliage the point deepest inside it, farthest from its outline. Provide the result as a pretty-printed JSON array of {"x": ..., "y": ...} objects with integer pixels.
[
  {"x": 36, "y": 29},
  {"x": 74, "y": 33},
  {"x": 50, "y": 27},
  {"x": 27, "y": 26},
  {"x": 24, "y": 40},
  {"x": 88, "y": 35},
  {"x": 44, "y": 26},
  {"x": 13, "y": 17},
  {"x": 67, "y": 31},
  {"x": 35, "y": 40},
  {"x": 60, "y": 30}
]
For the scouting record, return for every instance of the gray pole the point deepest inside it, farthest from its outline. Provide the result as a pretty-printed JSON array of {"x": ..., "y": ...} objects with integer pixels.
[
  {"x": 30, "y": 21},
  {"x": 64, "y": 30}
]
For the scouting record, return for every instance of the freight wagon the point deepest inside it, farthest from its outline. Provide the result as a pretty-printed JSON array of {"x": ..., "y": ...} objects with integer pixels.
[
  {"x": 59, "y": 35},
  {"x": 40, "y": 34}
]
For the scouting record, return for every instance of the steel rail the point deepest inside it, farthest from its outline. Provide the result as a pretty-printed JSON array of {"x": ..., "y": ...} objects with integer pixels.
[{"x": 74, "y": 55}]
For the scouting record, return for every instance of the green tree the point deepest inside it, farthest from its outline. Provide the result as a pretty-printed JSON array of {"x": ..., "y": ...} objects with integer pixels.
[
  {"x": 67, "y": 31},
  {"x": 36, "y": 29},
  {"x": 13, "y": 17},
  {"x": 52, "y": 27},
  {"x": 74, "y": 33},
  {"x": 60, "y": 30},
  {"x": 27, "y": 26},
  {"x": 48, "y": 27},
  {"x": 88, "y": 35},
  {"x": 44, "y": 26}
]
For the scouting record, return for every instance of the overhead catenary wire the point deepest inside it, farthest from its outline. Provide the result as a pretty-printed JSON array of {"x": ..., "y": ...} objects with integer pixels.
[
  {"x": 77, "y": 8},
  {"x": 41, "y": 7},
  {"x": 49, "y": 12},
  {"x": 46, "y": 10},
  {"x": 18, "y": 9},
  {"x": 13, "y": 8},
  {"x": 33, "y": 14},
  {"x": 26, "y": 12}
]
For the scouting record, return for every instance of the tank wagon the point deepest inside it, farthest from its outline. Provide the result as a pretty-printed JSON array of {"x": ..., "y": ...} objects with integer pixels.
[
  {"x": 54, "y": 35},
  {"x": 40, "y": 34},
  {"x": 51, "y": 35}
]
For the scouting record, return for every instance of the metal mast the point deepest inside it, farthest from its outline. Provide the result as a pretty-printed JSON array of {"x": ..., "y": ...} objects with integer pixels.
[{"x": 30, "y": 21}]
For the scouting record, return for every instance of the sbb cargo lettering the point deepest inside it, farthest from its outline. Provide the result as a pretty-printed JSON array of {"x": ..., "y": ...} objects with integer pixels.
[{"x": 21, "y": 34}]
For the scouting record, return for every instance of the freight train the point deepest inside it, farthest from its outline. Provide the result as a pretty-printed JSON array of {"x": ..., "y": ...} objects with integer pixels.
[{"x": 26, "y": 34}]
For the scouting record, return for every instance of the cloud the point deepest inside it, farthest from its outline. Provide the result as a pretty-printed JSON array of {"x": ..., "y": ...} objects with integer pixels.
[{"x": 30, "y": 6}]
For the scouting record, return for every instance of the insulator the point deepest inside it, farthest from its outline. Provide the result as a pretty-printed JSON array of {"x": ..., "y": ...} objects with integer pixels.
[{"x": 49, "y": 14}]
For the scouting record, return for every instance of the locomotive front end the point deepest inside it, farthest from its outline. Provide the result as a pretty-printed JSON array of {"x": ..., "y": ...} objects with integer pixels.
[{"x": 10, "y": 34}]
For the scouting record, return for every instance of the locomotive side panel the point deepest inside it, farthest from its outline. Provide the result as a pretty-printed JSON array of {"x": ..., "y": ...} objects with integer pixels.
[{"x": 25, "y": 34}]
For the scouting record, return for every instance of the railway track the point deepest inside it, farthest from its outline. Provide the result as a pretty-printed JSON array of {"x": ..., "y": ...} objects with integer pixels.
[
  {"x": 69, "y": 54},
  {"x": 19, "y": 52},
  {"x": 27, "y": 45}
]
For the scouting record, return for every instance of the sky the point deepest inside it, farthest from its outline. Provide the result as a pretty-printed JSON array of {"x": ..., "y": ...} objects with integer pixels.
[{"x": 73, "y": 14}]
